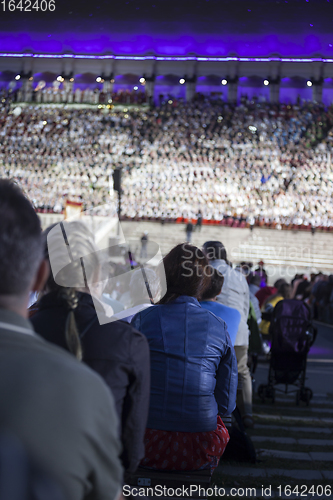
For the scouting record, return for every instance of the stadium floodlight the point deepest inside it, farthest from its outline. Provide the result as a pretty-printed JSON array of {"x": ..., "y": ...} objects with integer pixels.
[
  {"x": 59, "y": 78},
  {"x": 142, "y": 80},
  {"x": 17, "y": 77},
  {"x": 136, "y": 87},
  {"x": 266, "y": 82},
  {"x": 309, "y": 83},
  {"x": 182, "y": 81},
  {"x": 71, "y": 79},
  {"x": 98, "y": 79},
  {"x": 224, "y": 81}
]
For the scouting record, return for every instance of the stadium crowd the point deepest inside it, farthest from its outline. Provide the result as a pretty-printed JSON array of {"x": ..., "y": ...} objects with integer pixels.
[{"x": 257, "y": 162}]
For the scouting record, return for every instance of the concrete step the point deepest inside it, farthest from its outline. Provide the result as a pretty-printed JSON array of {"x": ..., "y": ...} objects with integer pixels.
[
  {"x": 300, "y": 430},
  {"x": 293, "y": 441},
  {"x": 236, "y": 471},
  {"x": 299, "y": 418}
]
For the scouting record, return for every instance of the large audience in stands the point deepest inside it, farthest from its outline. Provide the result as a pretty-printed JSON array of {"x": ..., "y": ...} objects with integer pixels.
[{"x": 261, "y": 163}]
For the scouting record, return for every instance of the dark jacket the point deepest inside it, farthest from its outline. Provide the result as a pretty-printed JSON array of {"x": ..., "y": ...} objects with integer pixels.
[
  {"x": 61, "y": 412},
  {"x": 116, "y": 351},
  {"x": 193, "y": 366}
]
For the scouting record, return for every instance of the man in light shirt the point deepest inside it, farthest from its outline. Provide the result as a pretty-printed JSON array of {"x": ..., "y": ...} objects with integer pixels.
[{"x": 235, "y": 293}]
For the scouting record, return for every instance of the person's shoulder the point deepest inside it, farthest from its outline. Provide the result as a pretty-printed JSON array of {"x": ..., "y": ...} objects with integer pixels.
[
  {"x": 212, "y": 317},
  {"x": 209, "y": 305},
  {"x": 123, "y": 333},
  {"x": 218, "y": 329},
  {"x": 219, "y": 307},
  {"x": 147, "y": 312},
  {"x": 118, "y": 325},
  {"x": 129, "y": 330},
  {"x": 237, "y": 274},
  {"x": 229, "y": 310}
]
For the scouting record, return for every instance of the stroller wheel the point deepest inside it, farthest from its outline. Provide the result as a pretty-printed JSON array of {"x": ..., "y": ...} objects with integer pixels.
[
  {"x": 262, "y": 392},
  {"x": 310, "y": 393},
  {"x": 270, "y": 393},
  {"x": 306, "y": 395},
  {"x": 298, "y": 397},
  {"x": 266, "y": 347}
]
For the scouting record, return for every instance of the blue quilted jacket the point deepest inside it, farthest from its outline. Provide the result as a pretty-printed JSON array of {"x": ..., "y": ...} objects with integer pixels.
[{"x": 193, "y": 366}]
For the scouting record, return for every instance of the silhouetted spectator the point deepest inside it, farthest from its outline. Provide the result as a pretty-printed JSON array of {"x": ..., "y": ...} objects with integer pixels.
[{"x": 61, "y": 411}]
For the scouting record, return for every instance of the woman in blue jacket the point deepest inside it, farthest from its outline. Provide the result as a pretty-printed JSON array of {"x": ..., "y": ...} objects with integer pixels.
[{"x": 193, "y": 370}]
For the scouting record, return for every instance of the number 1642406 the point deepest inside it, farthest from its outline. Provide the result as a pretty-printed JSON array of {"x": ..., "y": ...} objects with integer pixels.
[{"x": 28, "y": 5}]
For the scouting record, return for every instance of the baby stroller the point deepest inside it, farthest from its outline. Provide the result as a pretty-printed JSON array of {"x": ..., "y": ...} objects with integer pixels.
[{"x": 292, "y": 336}]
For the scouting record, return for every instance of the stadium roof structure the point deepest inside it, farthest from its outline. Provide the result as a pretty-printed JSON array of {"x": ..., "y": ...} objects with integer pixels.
[
  {"x": 212, "y": 29},
  {"x": 229, "y": 39}
]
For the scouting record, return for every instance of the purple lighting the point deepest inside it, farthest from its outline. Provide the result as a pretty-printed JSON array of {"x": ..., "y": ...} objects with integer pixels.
[
  {"x": 168, "y": 58},
  {"x": 181, "y": 43}
]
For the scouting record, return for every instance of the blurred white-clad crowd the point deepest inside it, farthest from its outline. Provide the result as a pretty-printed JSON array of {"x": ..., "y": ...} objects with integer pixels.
[{"x": 255, "y": 161}]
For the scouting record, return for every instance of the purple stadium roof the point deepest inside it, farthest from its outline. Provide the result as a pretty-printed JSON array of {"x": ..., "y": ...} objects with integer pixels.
[{"x": 167, "y": 28}]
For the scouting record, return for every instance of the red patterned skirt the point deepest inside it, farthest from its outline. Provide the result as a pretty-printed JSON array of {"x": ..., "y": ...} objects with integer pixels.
[{"x": 171, "y": 450}]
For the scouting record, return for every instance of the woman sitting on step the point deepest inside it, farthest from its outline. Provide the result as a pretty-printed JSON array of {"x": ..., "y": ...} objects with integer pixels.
[{"x": 193, "y": 370}]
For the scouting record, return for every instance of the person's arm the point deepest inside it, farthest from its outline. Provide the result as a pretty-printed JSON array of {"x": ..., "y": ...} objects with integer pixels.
[
  {"x": 246, "y": 300},
  {"x": 136, "y": 321},
  {"x": 226, "y": 380},
  {"x": 136, "y": 403},
  {"x": 255, "y": 303}
]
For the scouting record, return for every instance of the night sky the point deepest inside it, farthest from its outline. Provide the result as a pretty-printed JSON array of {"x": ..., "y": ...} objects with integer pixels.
[{"x": 292, "y": 22}]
